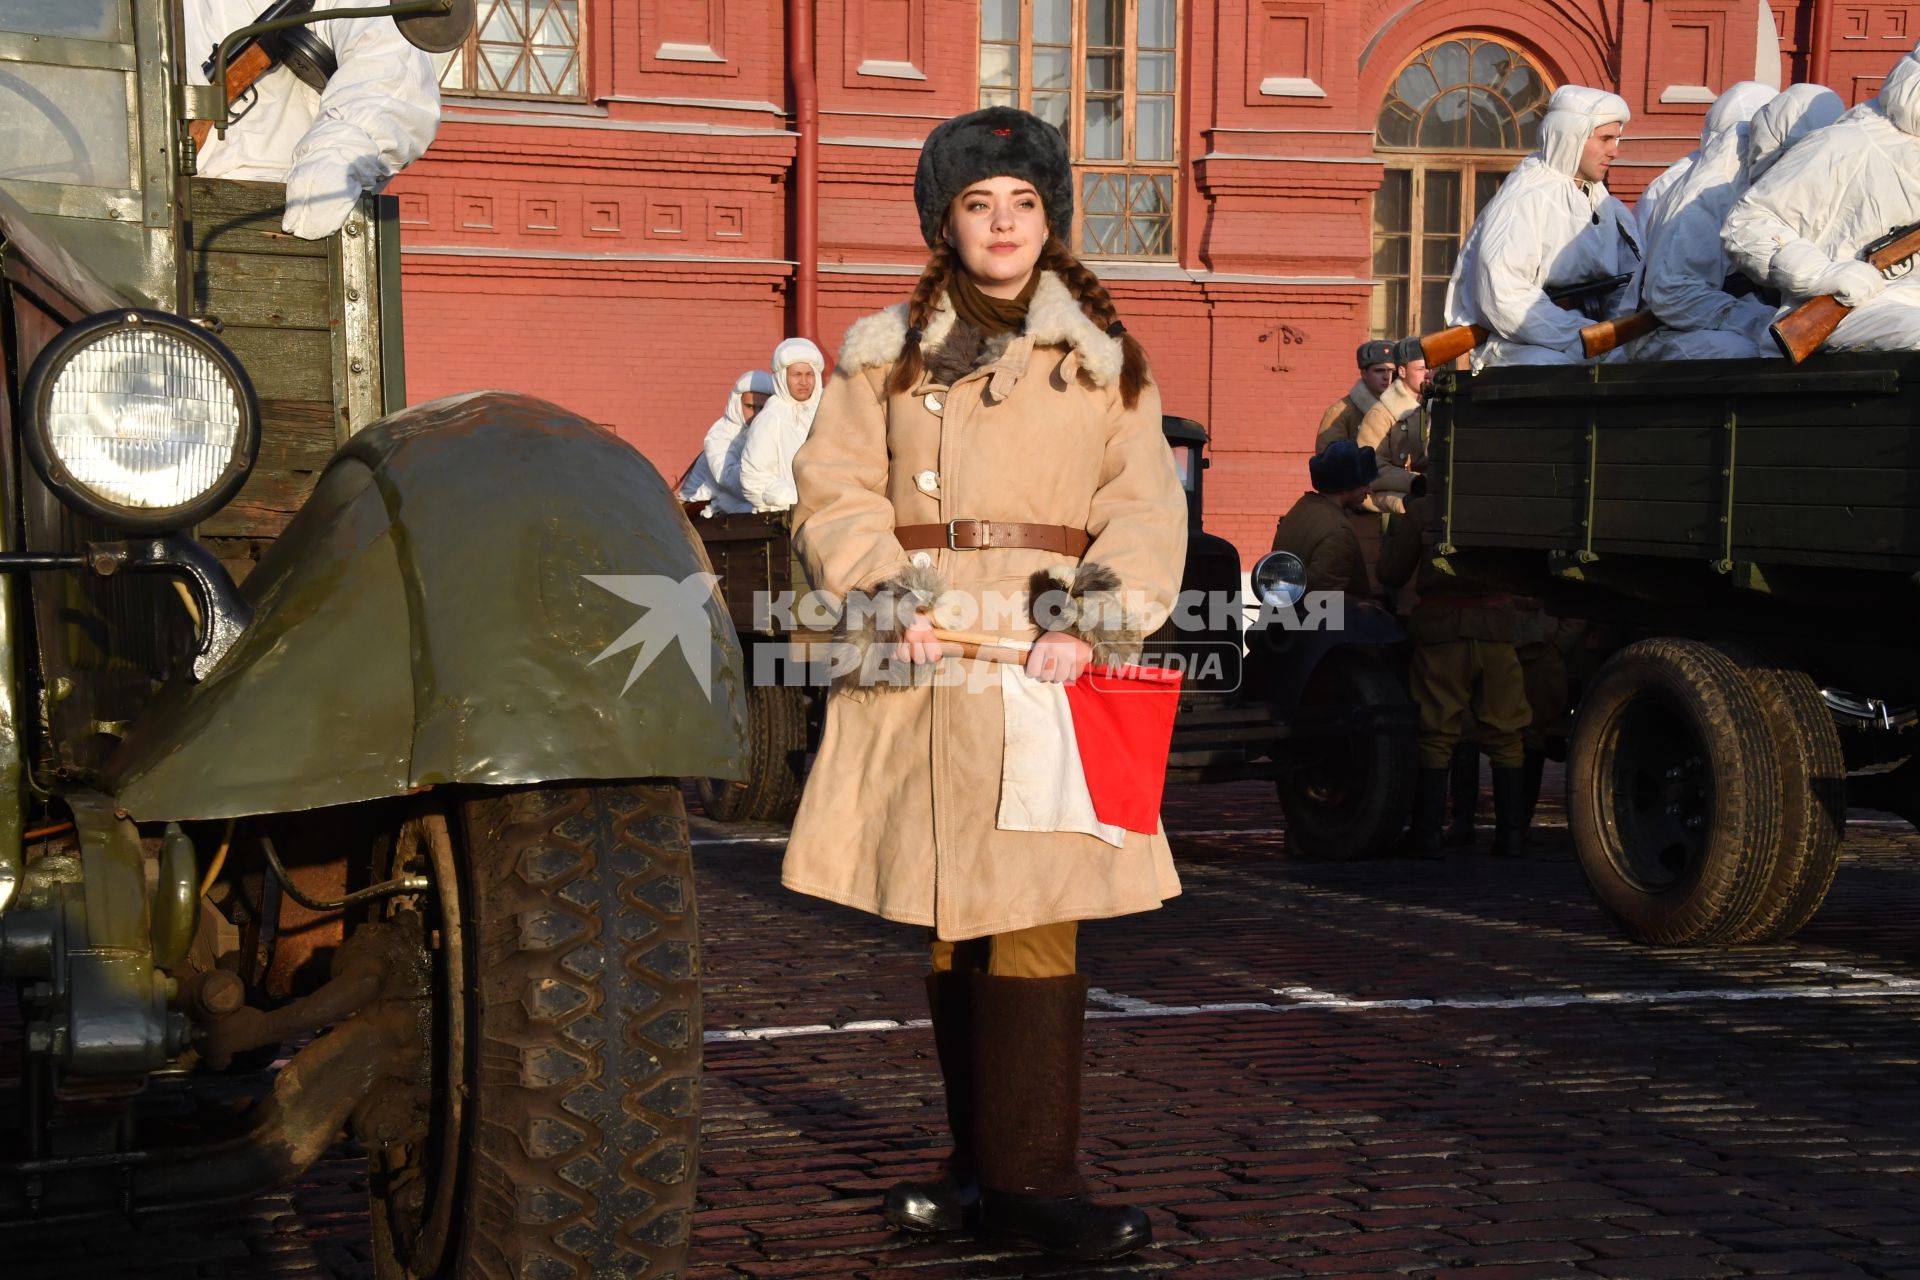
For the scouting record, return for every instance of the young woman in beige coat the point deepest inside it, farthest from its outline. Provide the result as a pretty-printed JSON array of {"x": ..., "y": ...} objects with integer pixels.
[{"x": 995, "y": 438}]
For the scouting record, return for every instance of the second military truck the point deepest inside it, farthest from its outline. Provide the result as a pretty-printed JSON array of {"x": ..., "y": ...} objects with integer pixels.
[{"x": 1746, "y": 534}]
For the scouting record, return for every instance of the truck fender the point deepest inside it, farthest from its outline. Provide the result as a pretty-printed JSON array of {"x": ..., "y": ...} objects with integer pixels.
[
  {"x": 438, "y": 612},
  {"x": 1366, "y": 626}
]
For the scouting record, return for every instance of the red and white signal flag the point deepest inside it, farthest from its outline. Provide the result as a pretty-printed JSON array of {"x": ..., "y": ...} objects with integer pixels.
[{"x": 1089, "y": 755}]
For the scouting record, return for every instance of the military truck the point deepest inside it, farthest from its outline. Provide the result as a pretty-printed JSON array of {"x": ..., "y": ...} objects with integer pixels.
[
  {"x": 1746, "y": 534},
  {"x": 306, "y": 746},
  {"x": 1321, "y": 711}
]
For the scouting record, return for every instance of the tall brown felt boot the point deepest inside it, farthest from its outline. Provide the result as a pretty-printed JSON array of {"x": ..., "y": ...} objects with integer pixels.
[
  {"x": 950, "y": 1202},
  {"x": 1028, "y": 1037}
]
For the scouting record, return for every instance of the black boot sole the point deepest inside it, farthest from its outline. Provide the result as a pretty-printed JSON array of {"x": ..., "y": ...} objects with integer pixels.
[
  {"x": 1068, "y": 1227},
  {"x": 924, "y": 1215},
  {"x": 1109, "y": 1253}
]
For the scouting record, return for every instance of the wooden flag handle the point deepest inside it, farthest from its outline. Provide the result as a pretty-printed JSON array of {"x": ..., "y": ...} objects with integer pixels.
[
  {"x": 987, "y": 648},
  {"x": 242, "y": 74}
]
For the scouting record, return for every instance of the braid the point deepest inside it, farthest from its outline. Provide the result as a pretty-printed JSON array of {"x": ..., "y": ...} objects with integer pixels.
[
  {"x": 1097, "y": 303},
  {"x": 907, "y": 369}
]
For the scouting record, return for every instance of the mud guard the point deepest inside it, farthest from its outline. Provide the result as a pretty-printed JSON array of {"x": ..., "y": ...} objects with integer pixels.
[
  {"x": 428, "y": 618},
  {"x": 1366, "y": 626}
]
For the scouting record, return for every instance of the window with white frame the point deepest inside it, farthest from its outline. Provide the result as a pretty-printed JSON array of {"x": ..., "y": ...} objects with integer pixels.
[
  {"x": 518, "y": 49},
  {"x": 1106, "y": 74}
]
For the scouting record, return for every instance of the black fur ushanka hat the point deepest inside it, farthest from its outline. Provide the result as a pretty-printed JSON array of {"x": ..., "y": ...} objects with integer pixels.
[{"x": 994, "y": 142}]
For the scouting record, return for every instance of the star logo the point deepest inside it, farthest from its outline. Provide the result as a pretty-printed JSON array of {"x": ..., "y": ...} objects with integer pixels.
[{"x": 672, "y": 613}]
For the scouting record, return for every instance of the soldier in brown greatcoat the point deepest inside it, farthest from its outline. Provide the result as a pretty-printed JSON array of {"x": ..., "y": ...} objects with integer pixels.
[
  {"x": 1396, "y": 427},
  {"x": 1317, "y": 528},
  {"x": 1341, "y": 421}
]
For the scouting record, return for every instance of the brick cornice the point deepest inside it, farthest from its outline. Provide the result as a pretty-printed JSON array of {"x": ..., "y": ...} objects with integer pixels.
[
  {"x": 548, "y": 151},
  {"x": 424, "y": 263},
  {"x": 1219, "y": 175},
  {"x": 874, "y": 165}
]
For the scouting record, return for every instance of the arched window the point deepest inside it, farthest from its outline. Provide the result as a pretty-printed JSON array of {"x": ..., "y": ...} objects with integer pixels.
[{"x": 1461, "y": 113}]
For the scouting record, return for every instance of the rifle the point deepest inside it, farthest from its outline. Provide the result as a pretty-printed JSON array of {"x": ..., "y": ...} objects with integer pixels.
[
  {"x": 1603, "y": 336},
  {"x": 1449, "y": 344},
  {"x": 1803, "y": 330},
  {"x": 298, "y": 48}
]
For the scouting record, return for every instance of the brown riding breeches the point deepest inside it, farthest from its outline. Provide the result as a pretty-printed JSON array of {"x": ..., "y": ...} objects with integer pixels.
[
  {"x": 1482, "y": 676},
  {"x": 1044, "y": 951}
]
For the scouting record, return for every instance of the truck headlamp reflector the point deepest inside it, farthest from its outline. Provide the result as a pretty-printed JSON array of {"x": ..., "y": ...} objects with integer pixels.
[
  {"x": 1279, "y": 580},
  {"x": 141, "y": 420}
]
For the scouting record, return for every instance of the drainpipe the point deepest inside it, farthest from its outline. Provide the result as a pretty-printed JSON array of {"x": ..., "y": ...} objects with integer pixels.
[
  {"x": 806, "y": 168},
  {"x": 1822, "y": 41}
]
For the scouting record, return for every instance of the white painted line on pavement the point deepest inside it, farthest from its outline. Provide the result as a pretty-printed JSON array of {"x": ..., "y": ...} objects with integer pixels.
[
  {"x": 1108, "y": 1005},
  {"x": 734, "y": 1035},
  {"x": 1224, "y": 832}
]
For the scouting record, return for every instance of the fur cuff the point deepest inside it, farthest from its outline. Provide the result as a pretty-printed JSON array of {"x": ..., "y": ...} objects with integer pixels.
[
  {"x": 873, "y": 622},
  {"x": 1086, "y": 601}
]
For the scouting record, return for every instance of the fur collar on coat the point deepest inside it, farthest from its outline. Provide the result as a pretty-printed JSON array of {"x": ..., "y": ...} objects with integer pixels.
[{"x": 1054, "y": 318}]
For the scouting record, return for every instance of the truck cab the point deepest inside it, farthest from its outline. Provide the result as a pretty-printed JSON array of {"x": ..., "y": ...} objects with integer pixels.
[{"x": 302, "y": 708}]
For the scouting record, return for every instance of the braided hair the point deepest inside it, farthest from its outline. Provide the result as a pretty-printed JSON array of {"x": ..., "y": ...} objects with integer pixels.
[
  {"x": 933, "y": 282},
  {"x": 1085, "y": 287},
  {"x": 1098, "y": 305}
]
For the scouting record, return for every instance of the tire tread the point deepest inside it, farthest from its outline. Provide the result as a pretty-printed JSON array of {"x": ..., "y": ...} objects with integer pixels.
[
  {"x": 776, "y": 749},
  {"x": 1813, "y": 777},
  {"x": 1711, "y": 688},
  {"x": 584, "y": 1122}
]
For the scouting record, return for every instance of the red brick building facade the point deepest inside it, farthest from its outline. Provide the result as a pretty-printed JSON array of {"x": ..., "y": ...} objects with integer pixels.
[{"x": 608, "y": 218}]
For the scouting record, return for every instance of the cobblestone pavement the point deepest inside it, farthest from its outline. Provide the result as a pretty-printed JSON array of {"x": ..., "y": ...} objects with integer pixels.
[{"x": 1384, "y": 1068}]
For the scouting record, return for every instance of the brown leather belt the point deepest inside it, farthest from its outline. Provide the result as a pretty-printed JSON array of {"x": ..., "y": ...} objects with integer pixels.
[{"x": 980, "y": 535}]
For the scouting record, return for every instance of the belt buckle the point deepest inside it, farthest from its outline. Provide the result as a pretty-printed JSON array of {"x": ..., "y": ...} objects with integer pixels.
[{"x": 985, "y": 542}]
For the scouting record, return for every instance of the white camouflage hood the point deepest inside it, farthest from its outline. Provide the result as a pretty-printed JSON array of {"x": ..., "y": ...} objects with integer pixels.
[
  {"x": 1900, "y": 95},
  {"x": 1573, "y": 113},
  {"x": 1734, "y": 106},
  {"x": 1794, "y": 113}
]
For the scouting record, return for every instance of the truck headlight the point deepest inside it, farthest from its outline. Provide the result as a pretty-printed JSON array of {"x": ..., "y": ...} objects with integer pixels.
[
  {"x": 141, "y": 420},
  {"x": 1279, "y": 580}
]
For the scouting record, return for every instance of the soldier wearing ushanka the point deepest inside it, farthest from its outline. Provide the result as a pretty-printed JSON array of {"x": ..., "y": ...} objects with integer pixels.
[
  {"x": 1342, "y": 419},
  {"x": 997, "y": 432}
]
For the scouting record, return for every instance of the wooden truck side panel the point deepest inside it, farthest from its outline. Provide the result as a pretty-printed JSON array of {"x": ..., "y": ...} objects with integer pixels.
[{"x": 1729, "y": 463}]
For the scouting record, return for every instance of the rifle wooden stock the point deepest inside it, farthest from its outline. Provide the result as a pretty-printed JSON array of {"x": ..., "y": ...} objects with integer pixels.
[
  {"x": 1806, "y": 328},
  {"x": 1449, "y": 345},
  {"x": 1598, "y": 339},
  {"x": 242, "y": 74}
]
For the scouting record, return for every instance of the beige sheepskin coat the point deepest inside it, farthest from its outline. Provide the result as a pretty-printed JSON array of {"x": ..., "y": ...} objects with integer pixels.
[{"x": 899, "y": 813}]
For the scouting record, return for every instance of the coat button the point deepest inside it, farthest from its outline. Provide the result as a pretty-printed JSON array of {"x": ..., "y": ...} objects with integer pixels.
[
  {"x": 921, "y": 560},
  {"x": 927, "y": 481},
  {"x": 934, "y": 403}
]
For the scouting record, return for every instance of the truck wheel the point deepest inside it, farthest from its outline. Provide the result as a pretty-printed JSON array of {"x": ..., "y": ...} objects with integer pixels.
[
  {"x": 553, "y": 1130},
  {"x": 1355, "y": 800},
  {"x": 776, "y": 761},
  {"x": 1813, "y": 800},
  {"x": 1672, "y": 787}
]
